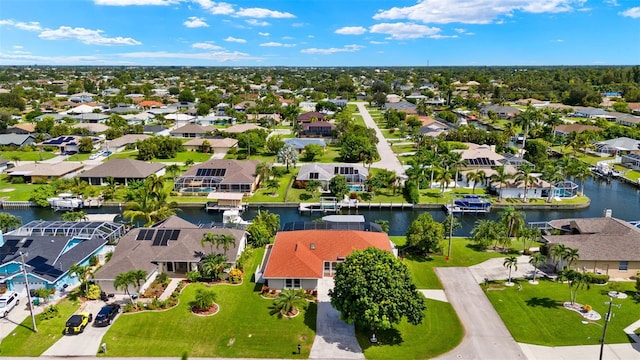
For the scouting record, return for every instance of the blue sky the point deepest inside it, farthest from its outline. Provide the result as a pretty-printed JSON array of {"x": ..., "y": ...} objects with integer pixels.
[{"x": 320, "y": 32}]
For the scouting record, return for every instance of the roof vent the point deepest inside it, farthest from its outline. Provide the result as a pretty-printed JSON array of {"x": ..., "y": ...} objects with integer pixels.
[{"x": 312, "y": 246}]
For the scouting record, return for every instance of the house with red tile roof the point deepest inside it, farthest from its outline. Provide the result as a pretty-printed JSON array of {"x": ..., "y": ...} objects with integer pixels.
[{"x": 298, "y": 259}]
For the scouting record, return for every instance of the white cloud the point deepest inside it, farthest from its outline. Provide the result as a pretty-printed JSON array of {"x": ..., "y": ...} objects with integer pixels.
[
  {"x": 557, "y": 40},
  {"x": 276, "y": 44},
  {"x": 311, "y": 36},
  {"x": 261, "y": 13},
  {"x": 18, "y": 47},
  {"x": 263, "y": 33},
  {"x": 460, "y": 30},
  {"x": 438, "y": 36},
  {"x": 195, "y": 22},
  {"x": 402, "y": 31},
  {"x": 346, "y": 48},
  {"x": 28, "y": 26},
  {"x": 236, "y": 40},
  {"x": 255, "y": 22},
  {"x": 351, "y": 30},
  {"x": 218, "y": 56},
  {"x": 86, "y": 36},
  {"x": 633, "y": 13},
  {"x": 473, "y": 11},
  {"x": 61, "y": 60},
  {"x": 374, "y": 42},
  {"x": 298, "y": 24},
  {"x": 287, "y": 38},
  {"x": 206, "y": 46},
  {"x": 134, "y": 2},
  {"x": 216, "y": 8}
]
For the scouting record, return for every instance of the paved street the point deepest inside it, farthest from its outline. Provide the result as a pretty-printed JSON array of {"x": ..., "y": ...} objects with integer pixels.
[
  {"x": 85, "y": 344},
  {"x": 388, "y": 160},
  {"x": 335, "y": 339},
  {"x": 486, "y": 337}
]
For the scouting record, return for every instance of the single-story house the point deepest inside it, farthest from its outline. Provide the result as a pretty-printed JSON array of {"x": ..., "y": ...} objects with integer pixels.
[
  {"x": 91, "y": 117},
  {"x": 192, "y": 131},
  {"x": 173, "y": 246},
  {"x": 123, "y": 109},
  {"x": 405, "y": 106},
  {"x": 122, "y": 170},
  {"x": 503, "y": 112},
  {"x": 150, "y": 104},
  {"x": 606, "y": 245},
  {"x": 17, "y": 140},
  {"x": 589, "y": 112},
  {"x": 317, "y": 129},
  {"x": 216, "y": 120},
  {"x": 158, "y": 130},
  {"x": 310, "y": 116},
  {"x": 614, "y": 147},
  {"x": 241, "y": 128},
  {"x": 355, "y": 174},
  {"x": 121, "y": 143},
  {"x": 135, "y": 119},
  {"x": 298, "y": 259},
  {"x": 628, "y": 120},
  {"x": 82, "y": 97},
  {"x": 300, "y": 144},
  {"x": 216, "y": 145},
  {"x": 220, "y": 175},
  {"x": 566, "y": 129},
  {"x": 37, "y": 172},
  {"x": 22, "y": 128},
  {"x": 93, "y": 128},
  {"x": 65, "y": 143},
  {"x": 180, "y": 119},
  {"x": 50, "y": 248}
]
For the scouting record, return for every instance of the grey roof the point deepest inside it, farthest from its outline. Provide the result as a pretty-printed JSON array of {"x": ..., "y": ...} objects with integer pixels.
[
  {"x": 591, "y": 111},
  {"x": 154, "y": 128},
  {"x": 123, "y": 168},
  {"x": 16, "y": 139},
  {"x": 501, "y": 109},
  {"x": 131, "y": 254},
  {"x": 90, "y": 116},
  {"x": 602, "y": 239},
  {"x": 298, "y": 143},
  {"x": 127, "y": 140},
  {"x": 327, "y": 171},
  {"x": 193, "y": 129},
  {"x": 238, "y": 172},
  {"x": 621, "y": 143},
  {"x": 400, "y": 106}
]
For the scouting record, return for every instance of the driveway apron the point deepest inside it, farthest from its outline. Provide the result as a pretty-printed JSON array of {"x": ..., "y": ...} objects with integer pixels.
[
  {"x": 486, "y": 336},
  {"x": 335, "y": 339}
]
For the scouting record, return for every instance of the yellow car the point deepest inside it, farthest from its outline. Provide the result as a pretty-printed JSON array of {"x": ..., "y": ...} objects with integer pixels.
[{"x": 77, "y": 323}]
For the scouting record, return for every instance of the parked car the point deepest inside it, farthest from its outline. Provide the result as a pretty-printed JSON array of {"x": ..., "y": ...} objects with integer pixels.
[
  {"x": 8, "y": 301},
  {"x": 94, "y": 156},
  {"x": 107, "y": 153},
  {"x": 106, "y": 315},
  {"x": 77, "y": 323}
]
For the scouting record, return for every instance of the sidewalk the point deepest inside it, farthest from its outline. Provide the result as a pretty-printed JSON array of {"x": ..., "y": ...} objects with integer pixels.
[{"x": 170, "y": 288}]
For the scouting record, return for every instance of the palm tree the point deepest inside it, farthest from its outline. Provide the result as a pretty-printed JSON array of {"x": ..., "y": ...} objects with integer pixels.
[
  {"x": 570, "y": 255},
  {"x": 288, "y": 302},
  {"x": 138, "y": 276},
  {"x": 225, "y": 241},
  {"x": 510, "y": 262},
  {"x": 444, "y": 177},
  {"x": 528, "y": 235},
  {"x": 122, "y": 281},
  {"x": 312, "y": 187},
  {"x": 513, "y": 220},
  {"x": 526, "y": 119},
  {"x": 476, "y": 177},
  {"x": 501, "y": 177},
  {"x": 213, "y": 265},
  {"x": 416, "y": 172},
  {"x": 9, "y": 222},
  {"x": 110, "y": 188},
  {"x": 81, "y": 272},
  {"x": 525, "y": 177},
  {"x": 579, "y": 170},
  {"x": 189, "y": 163},
  {"x": 263, "y": 170},
  {"x": 208, "y": 238},
  {"x": 536, "y": 260},
  {"x": 575, "y": 280},
  {"x": 552, "y": 121},
  {"x": 384, "y": 225},
  {"x": 173, "y": 170},
  {"x": 557, "y": 253},
  {"x": 552, "y": 175},
  {"x": 154, "y": 183},
  {"x": 205, "y": 298},
  {"x": 486, "y": 232},
  {"x": 455, "y": 162}
]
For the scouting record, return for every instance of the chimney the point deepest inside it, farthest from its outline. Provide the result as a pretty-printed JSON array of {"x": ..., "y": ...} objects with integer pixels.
[
  {"x": 312, "y": 246},
  {"x": 607, "y": 213}
]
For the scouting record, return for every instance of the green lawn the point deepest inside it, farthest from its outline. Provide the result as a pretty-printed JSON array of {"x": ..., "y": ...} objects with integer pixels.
[
  {"x": 15, "y": 192},
  {"x": 633, "y": 175},
  {"x": 391, "y": 135},
  {"x": 180, "y": 157},
  {"x": 27, "y": 155},
  {"x": 439, "y": 332},
  {"x": 399, "y": 149},
  {"x": 254, "y": 156},
  {"x": 78, "y": 157},
  {"x": 24, "y": 342},
  {"x": 242, "y": 327},
  {"x": 535, "y": 315},
  {"x": 463, "y": 254}
]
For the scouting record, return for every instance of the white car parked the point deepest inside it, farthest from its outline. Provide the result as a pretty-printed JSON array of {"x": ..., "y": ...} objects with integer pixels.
[{"x": 8, "y": 301}]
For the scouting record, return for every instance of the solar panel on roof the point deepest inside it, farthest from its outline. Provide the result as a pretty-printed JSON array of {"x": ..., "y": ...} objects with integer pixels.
[
  {"x": 165, "y": 237},
  {"x": 211, "y": 172},
  {"x": 27, "y": 243},
  {"x": 141, "y": 234},
  {"x": 174, "y": 235},
  {"x": 158, "y": 238},
  {"x": 149, "y": 235}
]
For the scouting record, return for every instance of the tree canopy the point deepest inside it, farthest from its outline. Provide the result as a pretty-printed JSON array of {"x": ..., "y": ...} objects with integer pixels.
[
  {"x": 374, "y": 290},
  {"x": 424, "y": 235}
]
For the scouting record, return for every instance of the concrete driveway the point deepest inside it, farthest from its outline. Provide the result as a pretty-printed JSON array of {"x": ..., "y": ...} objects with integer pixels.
[
  {"x": 388, "y": 160},
  {"x": 486, "y": 336},
  {"x": 85, "y": 344},
  {"x": 335, "y": 339},
  {"x": 16, "y": 317},
  {"x": 493, "y": 269}
]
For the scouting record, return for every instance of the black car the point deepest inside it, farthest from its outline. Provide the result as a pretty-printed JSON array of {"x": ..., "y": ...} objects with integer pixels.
[{"x": 106, "y": 315}]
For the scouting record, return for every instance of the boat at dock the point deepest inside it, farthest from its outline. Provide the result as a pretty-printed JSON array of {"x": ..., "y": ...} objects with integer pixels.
[
  {"x": 233, "y": 217},
  {"x": 66, "y": 201},
  {"x": 468, "y": 204}
]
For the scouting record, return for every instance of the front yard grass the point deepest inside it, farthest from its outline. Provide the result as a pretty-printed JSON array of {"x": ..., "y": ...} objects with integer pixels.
[
  {"x": 180, "y": 157},
  {"x": 242, "y": 327},
  {"x": 535, "y": 315},
  {"x": 24, "y": 342},
  {"x": 267, "y": 195},
  {"x": 15, "y": 192},
  {"x": 439, "y": 332},
  {"x": 27, "y": 155}
]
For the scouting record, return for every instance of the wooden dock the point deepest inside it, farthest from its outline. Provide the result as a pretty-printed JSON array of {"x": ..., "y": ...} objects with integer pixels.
[
  {"x": 459, "y": 210},
  {"x": 16, "y": 204}
]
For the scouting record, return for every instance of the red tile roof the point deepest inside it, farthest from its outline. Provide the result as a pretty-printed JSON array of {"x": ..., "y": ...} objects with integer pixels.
[
  {"x": 151, "y": 103},
  {"x": 300, "y": 254}
]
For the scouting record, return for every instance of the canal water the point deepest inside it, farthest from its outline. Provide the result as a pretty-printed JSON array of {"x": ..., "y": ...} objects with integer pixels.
[{"x": 623, "y": 199}]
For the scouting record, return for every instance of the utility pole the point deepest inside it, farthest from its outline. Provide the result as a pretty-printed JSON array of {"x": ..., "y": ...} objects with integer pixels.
[
  {"x": 606, "y": 322},
  {"x": 26, "y": 285},
  {"x": 450, "y": 230}
]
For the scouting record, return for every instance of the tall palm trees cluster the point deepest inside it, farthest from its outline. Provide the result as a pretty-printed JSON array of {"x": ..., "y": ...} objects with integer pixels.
[
  {"x": 130, "y": 278},
  {"x": 435, "y": 162},
  {"x": 150, "y": 202},
  {"x": 212, "y": 265},
  {"x": 510, "y": 225}
]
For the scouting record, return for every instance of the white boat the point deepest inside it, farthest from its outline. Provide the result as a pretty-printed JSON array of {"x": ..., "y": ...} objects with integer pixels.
[
  {"x": 66, "y": 201},
  {"x": 233, "y": 217}
]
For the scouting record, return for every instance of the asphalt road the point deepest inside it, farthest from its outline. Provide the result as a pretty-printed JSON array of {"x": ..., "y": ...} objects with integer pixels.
[
  {"x": 85, "y": 344},
  {"x": 486, "y": 336}
]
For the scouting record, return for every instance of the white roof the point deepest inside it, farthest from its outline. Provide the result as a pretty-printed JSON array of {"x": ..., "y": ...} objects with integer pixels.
[{"x": 225, "y": 196}]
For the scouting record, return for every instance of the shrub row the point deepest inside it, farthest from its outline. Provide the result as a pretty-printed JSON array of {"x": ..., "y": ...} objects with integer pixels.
[{"x": 597, "y": 278}]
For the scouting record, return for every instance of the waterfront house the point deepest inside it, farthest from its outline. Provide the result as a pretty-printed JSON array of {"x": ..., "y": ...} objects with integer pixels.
[
  {"x": 298, "y": 259},
  {"x": 44, "y": 172},
  {"x": 565, "y": 129},
  {"x": 50, "y": 248},
  {"x": 220, "y": 175},
  {"x": 606, "y": 245},
  {"x": 173, "y": 246},
  {"x": 123, "y": 171},
  {"x": 355, "y": 174},
  {"x": 614, "y": 147}
]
